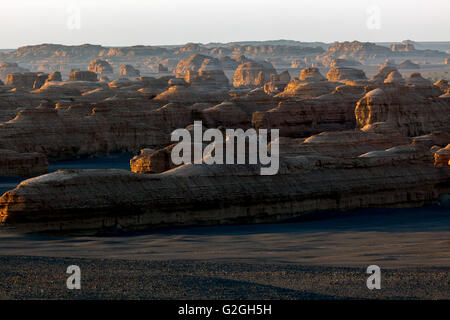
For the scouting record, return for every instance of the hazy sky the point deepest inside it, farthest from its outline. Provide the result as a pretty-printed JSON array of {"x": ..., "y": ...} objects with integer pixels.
[{"x": 153, "y": 22}]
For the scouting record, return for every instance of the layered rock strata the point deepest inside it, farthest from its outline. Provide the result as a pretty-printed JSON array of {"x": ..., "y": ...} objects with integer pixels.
[
  {"x": 22, "y": 164},
  {"x": 83, "y": 200}
]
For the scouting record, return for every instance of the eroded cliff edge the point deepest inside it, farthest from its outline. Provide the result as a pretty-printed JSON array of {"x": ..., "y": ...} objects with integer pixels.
[{"x": 103, "y": 200}]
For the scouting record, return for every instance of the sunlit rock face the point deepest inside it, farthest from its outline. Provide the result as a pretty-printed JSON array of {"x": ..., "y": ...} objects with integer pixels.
[
  {"x": 403, "y": 108},
  {"x": 100, "y": 67},
  {"x": 442, "y": 157},
  {"x": 28, "y": 80},
  {"x": 194, "y": 63},
  {"x": 153, "y": 161},
  {"x": 22, "y": 164},
  {"x": 253, "y": 74},
  {"x": 278, "y": 83},
  {"x": 383, "y": 73}
]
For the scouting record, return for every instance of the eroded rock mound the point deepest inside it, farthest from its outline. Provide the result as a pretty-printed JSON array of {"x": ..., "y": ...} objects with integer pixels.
[
  {"x": 78, "y": 75},
  {"x": 345, "y": 74},
  {"x": 407, "y": 64},
  {"x": 311, "y": 74},
  {"x": 253, "y": 74},
  {"x": 193, "y": 63},
  {"x": 129, "y": 71},
  {"x": 100, "y": 67},
  {"x": 405, "y": 109}
]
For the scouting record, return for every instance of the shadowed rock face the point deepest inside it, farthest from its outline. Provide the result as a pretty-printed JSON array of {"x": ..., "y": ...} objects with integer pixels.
[
  {"x": 407, "y": 64},
  {"x": 8, "y": 68},
  {"x": 202, "y": 194},
  {"x": 22, "y": 164},
  {"x": 129, "y": 70}
]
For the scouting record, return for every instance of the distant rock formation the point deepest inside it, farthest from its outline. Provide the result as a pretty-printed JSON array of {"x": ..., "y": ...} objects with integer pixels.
[
  {"x": 100, "y": 67},
  {"x": 55, "y": 76},
  {"x": 194, "y": 63},
  {"x": 278, "y": 83},
  {"x": 78, "y": 75},
  {"x": 162, "y": 68},
  {"x": 28, "y": 80},
  {"x": 395, "y": 77},
  {"x": 383, "y": 73},
  {"x": 407, "y": 64},
  {"x": 311, "y": 74},
  {"x": 345, "y": 74},
  {"x": 22, "y": 164},
  {"x": 129, "y": 71},
  {"x": 253, "y": 74},
  {"x": 402, "y": 47},
  {"x": 10, "y": 67}
]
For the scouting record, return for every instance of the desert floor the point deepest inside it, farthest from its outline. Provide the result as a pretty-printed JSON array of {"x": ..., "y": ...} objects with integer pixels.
[{"x": 309, "y": 259}]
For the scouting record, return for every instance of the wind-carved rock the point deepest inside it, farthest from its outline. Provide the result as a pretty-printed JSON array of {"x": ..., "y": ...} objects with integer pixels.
[
  {"x": 129, "y": 71},
  {"x": 100, "y": 67},
  {"x": 78, "y": 75},
  {"x": 442, "y": 157},
  {"x": 345, "y": 74},
  {"x": 405, "y": 109},
  {"x": 253, "y": 74}
]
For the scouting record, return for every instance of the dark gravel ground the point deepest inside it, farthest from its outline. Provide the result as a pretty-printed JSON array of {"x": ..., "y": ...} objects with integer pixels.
[{"x": 24, "y": 277}]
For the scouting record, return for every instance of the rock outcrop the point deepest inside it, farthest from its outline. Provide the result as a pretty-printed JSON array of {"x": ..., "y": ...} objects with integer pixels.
[
  {"x": 129, "y": 71},
  {"x": 83, "y": 200},
  {"x": 78, "y": 75},
  {"x": 10, "y": 67},
  {"x": 345, "y": 74},
  {"x": 442, "y": 157},
  {"x": 22, "y": 164},
  {"x": 100, "y": 67},
  {"x": 28, "y": 80},
  {"x": 194, "y": 63},
  {"x": 311, "y": 74},
  {"x": 153, "y": 161},
  {"x": 404, "y": 108},
  {"x": 300, "y": 118},
  {"x": 407, "y": 64},
  {"x": 253, "y": 74}
]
